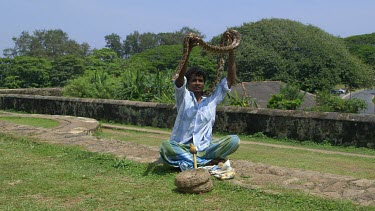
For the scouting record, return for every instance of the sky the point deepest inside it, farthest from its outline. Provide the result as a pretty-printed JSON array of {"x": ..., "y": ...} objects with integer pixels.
[{"x": 91, "y": 20}]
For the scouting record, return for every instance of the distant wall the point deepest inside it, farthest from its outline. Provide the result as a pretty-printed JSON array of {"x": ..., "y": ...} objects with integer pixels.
[
  {"x": 34, "y": 91},
  {"x": 339, "y": 128}
]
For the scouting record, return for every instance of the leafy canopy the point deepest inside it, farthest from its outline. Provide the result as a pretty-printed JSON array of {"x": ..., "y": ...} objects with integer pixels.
[
  {"x": 279, "y": 49},
  {"x": 46, "y": 44},
  {"x": 363, "y": 46}
]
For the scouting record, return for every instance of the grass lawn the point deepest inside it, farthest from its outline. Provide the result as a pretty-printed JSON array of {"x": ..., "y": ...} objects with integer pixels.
[
  {"x": 37, "y": 176},
  {"x": 31, "y": 121}
]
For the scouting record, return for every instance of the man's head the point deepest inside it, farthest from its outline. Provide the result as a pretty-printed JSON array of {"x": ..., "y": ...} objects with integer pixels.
[{"x": 196, "y": 78}]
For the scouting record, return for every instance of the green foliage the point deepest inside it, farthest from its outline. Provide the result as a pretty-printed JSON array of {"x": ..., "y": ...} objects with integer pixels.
[
  {"x": 291, "y": 92},
  {"x": 5, "y": 70},
  {"x": 114, "y": 42},
  {"x": 135, "y": 85},
  {"x": 279, "y": 49},
  {"x": 290, "y": 98},
  {"x": 65, "y": 68},
  {"x": 163, "y": 87},
  {"x": 26, "y": 72},
  {"x": 66, "y": 174},
  {"x": 144, "y": 77},
  {"x": 100, "y": 79},
  {"x": 46, "y": 44},
  {"x": 363, "y": 46},
  {"x": 159, "y": 58},
  {"x": 271, "y": 49},
  {"x": 109, "y": 77},
  {"x": 236, "y": 100},
  {"x": 279, "y": 101},
  {"x": 93, "y": 84},
  {"x": 354, "y": 105},
  {"x": 167, "y": 57},
  {"x": 330, "y": 103},
  {"x": 104, "y": 60},
  {"x": 136, "y": 42},
  {"x": 31, "y": 121}
]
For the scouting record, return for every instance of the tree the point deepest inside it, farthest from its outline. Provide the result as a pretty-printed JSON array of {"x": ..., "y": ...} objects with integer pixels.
[
  {"x": 186, "y": 30},
  {"x": 362, "y": 46},
  {"x": 65, "y": 68},
  {"x": 131, "y": 44},
  {"x": 174, "y": 38},
  {"x": 22, "y": 46},
  {"x": 147, "y": 41},
  {"x": 167, "y": 57},
  {"x": 46, "y": 44},
  {"x": 289, "y": 51},
  {"x": 101, "y": 76},
  {"x": 28, "y": 72},
  {"x": 137, "y": 43},
  {"x": 145, "y": 76},
  {"x": 113, "y": 41},
  {"x": 5, "y": 69},
  {"x": 104, "y": 60}
]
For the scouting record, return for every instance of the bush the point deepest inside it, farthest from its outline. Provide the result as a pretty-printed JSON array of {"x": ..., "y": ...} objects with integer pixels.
[
  {"x": 331, "y": 103},
  {"x": 278, "y": 101},
  {"x": 354, "y": 105},
  {"x": 236, "y": 100},
  {"x": 290, "y": 98}
]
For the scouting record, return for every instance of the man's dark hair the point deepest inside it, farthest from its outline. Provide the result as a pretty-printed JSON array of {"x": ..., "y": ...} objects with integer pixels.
[{"x": 197, "y": 71}]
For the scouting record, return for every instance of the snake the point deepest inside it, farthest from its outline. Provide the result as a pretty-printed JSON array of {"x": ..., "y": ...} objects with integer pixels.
[{"x": 230, "y": 40}]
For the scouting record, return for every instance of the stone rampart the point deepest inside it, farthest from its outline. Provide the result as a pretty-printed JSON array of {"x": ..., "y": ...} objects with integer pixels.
[{"x": 34, "y": 91}]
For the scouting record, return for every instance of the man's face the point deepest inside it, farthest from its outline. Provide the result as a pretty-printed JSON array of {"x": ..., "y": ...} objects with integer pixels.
[{"x": 196, "y": 84}]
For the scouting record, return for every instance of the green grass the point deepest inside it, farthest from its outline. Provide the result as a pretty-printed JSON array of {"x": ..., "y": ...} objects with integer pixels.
[
  {"x": 31, "y": 121},
  {"x": 358, "y": 167},
  {"x": 308, "y": 144},
  {"x": 145, "y": 138},
  {"x": 37, "y": 176}
]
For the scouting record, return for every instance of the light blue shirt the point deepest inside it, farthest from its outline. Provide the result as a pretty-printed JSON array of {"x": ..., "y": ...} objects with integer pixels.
[{"x": 195, "y": 121}]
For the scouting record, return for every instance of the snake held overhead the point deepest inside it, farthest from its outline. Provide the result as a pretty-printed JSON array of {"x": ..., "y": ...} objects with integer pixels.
[{"x": 230, "y": 40}]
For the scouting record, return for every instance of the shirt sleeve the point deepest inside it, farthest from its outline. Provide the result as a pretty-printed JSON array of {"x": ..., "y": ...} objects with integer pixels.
[
  {"x": 221, "y": 90},
  {"x": 180, "y": 93}
]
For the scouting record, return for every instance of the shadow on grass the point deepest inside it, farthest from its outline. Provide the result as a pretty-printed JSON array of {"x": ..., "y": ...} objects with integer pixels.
[{"x": 159, "y": 168}]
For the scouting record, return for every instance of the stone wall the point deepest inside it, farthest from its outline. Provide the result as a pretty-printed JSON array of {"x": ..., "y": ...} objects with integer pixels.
[
  {"x": 339, "y": 128},
  {"x": 34, "y": 91}
]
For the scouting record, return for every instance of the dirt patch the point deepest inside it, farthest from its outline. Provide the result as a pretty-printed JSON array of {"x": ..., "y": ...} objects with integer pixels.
[{"x": 76, "y": 131}]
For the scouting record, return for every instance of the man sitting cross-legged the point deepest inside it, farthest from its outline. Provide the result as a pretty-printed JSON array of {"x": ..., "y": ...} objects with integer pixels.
[{"x": 195, "y": 119}]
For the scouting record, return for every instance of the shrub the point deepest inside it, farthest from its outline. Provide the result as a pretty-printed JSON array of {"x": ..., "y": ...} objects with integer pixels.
[
  {"x": 236, "y": 100},
  {"x": 290, "y": 98},
  {"x": 330, "y": 103},
  {"x": 278, "y": 101}
]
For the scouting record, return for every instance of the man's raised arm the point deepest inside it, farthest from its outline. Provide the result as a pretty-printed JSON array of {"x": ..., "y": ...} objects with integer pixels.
[
  {"x": 180, "y": 79},
  {"x": 232, "y": 75}
]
